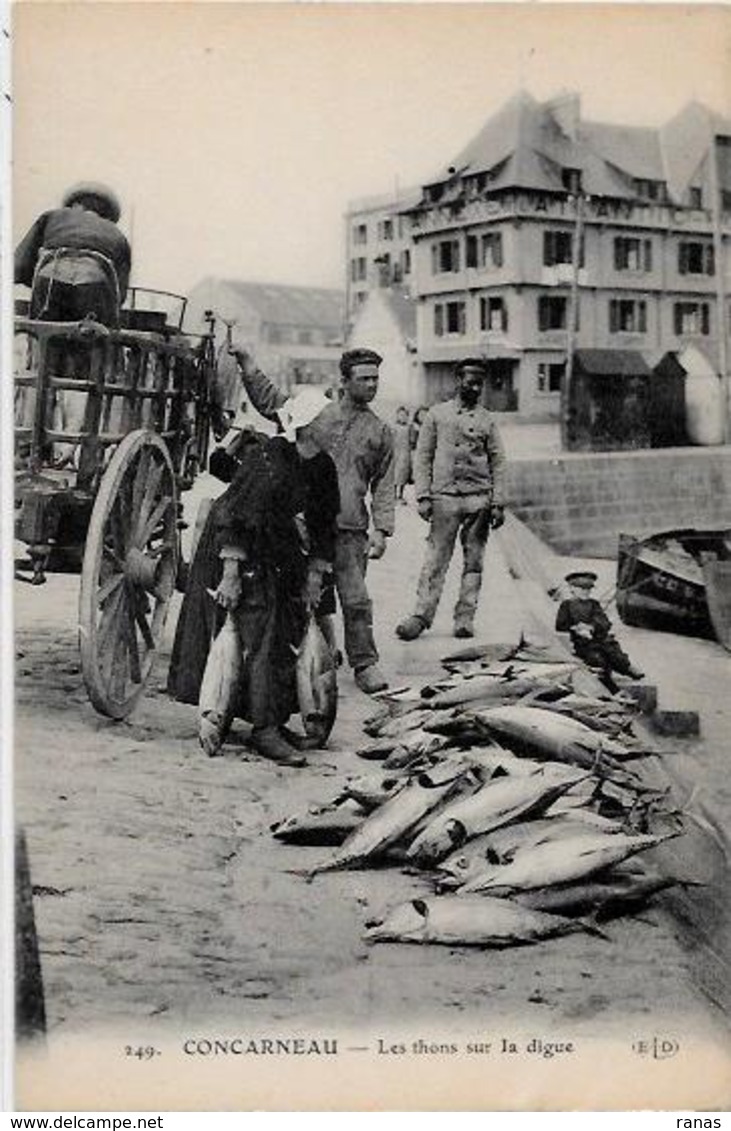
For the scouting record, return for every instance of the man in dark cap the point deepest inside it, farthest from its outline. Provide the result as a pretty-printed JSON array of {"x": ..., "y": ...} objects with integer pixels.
[
  {"x": 590, "y": 630},
  {"x": 458, "y": 479},
  {"x": 75, "y": 259},
  {"x": 361, "y": 446}
]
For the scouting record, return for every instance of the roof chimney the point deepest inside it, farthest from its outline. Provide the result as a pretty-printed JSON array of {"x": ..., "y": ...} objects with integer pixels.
[{"x": 566, "y": 111}]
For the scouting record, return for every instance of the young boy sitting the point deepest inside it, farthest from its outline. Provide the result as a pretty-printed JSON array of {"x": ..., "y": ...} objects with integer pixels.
[{"x": 590, "y": 630}]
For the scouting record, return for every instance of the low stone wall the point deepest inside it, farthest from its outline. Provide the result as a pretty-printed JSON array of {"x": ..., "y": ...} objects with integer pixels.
[{"x": 578, "y": 503}]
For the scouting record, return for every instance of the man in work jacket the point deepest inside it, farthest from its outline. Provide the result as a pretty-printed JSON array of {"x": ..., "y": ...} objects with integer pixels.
[
  {"x": 458, "y": 479},
  {"x": 361, "y": 446},
  {"x": 75, "y": 259}
]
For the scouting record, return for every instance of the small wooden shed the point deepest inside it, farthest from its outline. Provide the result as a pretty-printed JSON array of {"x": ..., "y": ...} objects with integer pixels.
[{"x": 609, "y": 401}]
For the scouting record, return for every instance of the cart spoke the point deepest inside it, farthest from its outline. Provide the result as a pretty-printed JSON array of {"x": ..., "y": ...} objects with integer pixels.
[
  {"x": 140, "y": 481},
  {"x": 113, "y": 557},
  {"x": 124, "y": 499},
  {"x": 151, "y": 494},
  {"x": 142, "y": 623},
  {"x": 120, "y": 657},
  {"x": 153, "y": 522},
  {"x": 116, "y": 528},
  {"x": 111, "y": 622},
  {"x": 134, "y": 651},
  {"x": 109, "y": 587}
]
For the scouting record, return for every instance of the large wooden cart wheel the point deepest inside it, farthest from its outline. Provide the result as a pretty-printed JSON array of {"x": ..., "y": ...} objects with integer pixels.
[{"x": 129, "y": 571}]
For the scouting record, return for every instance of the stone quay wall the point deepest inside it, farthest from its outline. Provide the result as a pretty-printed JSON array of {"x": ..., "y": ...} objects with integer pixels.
[{"x": 579, "y": 502}]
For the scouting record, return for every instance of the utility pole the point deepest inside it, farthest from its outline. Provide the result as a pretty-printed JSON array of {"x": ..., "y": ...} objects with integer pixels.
[
  {"x": 348, "y": 269},
  {"x": 720, "y": 267},
  {"x": 573, "y": 308}
]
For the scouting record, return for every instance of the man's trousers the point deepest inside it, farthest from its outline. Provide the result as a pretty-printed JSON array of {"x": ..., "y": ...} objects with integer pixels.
[{"x": 468, "y": 516}]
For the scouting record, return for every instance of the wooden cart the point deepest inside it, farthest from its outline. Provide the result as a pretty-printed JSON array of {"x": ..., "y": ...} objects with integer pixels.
[{"x": 110, "y": 427}]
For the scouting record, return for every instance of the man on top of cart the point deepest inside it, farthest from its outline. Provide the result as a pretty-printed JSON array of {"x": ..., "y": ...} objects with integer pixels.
[{"x": 75, "y": 259}]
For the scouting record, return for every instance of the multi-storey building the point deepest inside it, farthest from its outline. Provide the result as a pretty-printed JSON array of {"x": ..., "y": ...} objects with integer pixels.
[
  {"x": 544, "y": 213},
  {"x": 378, "y": 246},
  {"x": 295, "y": 333}
]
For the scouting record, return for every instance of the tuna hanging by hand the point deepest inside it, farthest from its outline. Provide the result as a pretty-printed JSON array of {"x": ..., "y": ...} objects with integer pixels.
[
  {"x": 317, "y": 686},
  {"x": 468, "y": 921},
  {"x": 219, "y": 688}
]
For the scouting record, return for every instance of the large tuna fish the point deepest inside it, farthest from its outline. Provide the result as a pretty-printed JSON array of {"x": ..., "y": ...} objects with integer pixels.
[
  {"x": 397, "y": 817},
  {"x": 494, "y": 761},
  {"x": 488, "y": 689},
  {"x": 317, "y": 685},
  {"x": 544, "y": 734},
  {"x": 496, "y": 653},
  {"x": 604, "y": 899},
  {"x": 329, "y": 825},
  {"x": 412, "y": 742},
  {"x": 464, "y": 921},
  {"x": 498, "y": 803},
  {"x": 219, "y": 688},
  {"x": 561, "y": 862},
  {"x": 502, "y": 845},
  {"x": 395, "y": 726}
]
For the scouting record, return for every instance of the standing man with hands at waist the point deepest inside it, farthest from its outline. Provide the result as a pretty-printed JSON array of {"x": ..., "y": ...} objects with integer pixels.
[
  {"x": 361, "y": 446},
  {"x": 458, "y": 479}
]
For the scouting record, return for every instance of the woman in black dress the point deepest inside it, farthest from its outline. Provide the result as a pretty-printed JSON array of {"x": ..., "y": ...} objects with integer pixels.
[{"x": 266, "y": 551}]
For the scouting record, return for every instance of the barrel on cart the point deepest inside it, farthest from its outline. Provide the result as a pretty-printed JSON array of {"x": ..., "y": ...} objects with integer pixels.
[{"x": 111, "y": 425}]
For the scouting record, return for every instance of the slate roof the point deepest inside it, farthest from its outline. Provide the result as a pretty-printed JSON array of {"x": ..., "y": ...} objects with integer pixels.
[
  {"x": 612, "y": 363},
  {"x": 290, "y": 306},
  {"x": 525, "y": 145}
]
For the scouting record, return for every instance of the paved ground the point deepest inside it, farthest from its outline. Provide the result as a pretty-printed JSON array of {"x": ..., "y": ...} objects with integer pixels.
[{"x": 162, "y": 898}]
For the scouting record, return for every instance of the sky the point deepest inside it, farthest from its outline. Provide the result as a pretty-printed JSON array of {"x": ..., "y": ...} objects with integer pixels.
[{"x": 236, "y": 133}]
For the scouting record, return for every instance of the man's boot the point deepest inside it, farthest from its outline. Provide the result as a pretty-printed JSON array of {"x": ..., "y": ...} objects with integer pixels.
[
  {"x": 268, "y": 742},
  {"x": 466, "y": 607},
  {"x": 411, "y": 627},
  {"x": 370, "y": 679}
]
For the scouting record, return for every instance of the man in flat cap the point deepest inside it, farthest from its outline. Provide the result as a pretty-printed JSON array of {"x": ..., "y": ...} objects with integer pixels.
[
  {"x": 361, "y": 446},
  {"x": 75, "y": 259},
  {"x": 458, "y": 479},
  {"x": 590, "y": 630}
]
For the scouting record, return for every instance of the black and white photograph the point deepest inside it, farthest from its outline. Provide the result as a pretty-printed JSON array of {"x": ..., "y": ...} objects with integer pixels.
[{"x": 371, "y": 548}]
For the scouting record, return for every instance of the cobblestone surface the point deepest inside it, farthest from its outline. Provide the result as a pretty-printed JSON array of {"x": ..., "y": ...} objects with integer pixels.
[{"x": 161, "y": 896}]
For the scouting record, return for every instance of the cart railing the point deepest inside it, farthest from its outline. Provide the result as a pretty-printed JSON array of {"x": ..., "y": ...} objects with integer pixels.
[
  {"x": 81, "y": 388},
  {"x": 148, "y": 298}
]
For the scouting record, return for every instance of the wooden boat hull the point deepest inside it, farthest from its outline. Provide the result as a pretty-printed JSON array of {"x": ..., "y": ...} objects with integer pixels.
[{"x": 687, "y": 593}]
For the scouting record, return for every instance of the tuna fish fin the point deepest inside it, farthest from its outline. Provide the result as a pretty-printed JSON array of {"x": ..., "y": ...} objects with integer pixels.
[
  {"x": 591, "y": 926},
  {"x": 308, "y": 874}
]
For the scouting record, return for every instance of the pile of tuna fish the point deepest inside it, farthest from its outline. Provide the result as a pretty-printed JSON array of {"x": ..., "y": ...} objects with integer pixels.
[{"x": 512, "y": 785}]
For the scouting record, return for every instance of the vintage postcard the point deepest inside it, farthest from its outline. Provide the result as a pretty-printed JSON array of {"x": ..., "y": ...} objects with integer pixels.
[{"x": 315, "y": 809}]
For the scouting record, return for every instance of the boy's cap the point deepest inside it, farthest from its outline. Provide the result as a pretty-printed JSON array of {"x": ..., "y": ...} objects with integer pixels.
[{"x": 583, "y": 578}]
